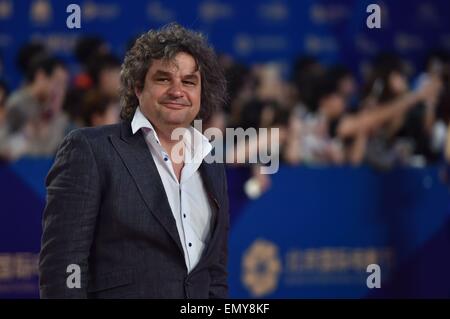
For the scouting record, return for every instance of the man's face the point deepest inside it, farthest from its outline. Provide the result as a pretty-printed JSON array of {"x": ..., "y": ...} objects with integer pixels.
[{"x": 171, "y": 94}]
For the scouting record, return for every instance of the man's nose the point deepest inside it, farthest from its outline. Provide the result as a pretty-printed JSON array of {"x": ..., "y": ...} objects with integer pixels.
[{"x": 176, "y": 90}]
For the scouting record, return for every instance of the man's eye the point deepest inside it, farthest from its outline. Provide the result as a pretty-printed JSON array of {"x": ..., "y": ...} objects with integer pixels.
[
  {"x": 164, "y": 80},
  {"x": 191, "y": 83}
]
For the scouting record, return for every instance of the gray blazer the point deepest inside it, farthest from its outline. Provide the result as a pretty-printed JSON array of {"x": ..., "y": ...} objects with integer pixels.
[{"x": 108, "y": 213}]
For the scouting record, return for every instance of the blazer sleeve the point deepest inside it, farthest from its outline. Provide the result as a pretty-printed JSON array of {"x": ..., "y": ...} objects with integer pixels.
[
  {"x": 218, "y": 271},
  {"x": 73, "y": 201}
]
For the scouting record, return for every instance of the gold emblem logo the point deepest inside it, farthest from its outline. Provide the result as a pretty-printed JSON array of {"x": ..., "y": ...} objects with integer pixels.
[{"x": 261, "y": 268}]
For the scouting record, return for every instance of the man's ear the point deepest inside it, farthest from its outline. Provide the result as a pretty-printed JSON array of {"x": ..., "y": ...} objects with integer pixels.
[{"x": 138, "y": 90}]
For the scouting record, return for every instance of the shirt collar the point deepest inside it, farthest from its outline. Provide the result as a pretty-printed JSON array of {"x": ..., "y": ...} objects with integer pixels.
[
  {"x": 141, "y": 122},
  {"x": 201, "y": 148}
]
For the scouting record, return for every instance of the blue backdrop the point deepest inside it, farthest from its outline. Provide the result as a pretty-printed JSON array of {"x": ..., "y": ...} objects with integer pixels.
[{"x": 251, "y": 31}]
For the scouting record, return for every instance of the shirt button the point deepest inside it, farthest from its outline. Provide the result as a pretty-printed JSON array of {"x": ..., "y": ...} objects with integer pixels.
[
  {"x": 190, "y": 244},
  {"x": 166, "y": 159},
  {"x": 184, "y": 215}
]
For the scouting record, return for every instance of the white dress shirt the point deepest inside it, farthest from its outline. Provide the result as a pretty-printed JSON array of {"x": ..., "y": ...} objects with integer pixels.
[{"x": 188, "y": 198}]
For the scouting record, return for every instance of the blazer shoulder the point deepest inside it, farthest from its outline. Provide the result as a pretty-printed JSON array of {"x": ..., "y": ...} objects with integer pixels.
[{"x": 95, "y": 133}]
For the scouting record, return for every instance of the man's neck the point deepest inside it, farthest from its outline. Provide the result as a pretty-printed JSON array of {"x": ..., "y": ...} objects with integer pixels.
[{"x": 165, "y": 138}]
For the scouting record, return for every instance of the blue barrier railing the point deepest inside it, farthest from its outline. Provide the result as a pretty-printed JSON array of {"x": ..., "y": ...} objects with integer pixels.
[{"x": 311, "y": 235}]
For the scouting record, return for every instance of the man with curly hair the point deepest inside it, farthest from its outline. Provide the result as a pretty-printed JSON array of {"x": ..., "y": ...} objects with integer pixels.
[{"x": 133, "y": 209}]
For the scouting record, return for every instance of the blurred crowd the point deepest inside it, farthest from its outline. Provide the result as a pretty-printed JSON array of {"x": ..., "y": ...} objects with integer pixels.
[
  {"x": 325, "y": 114},
  {"x": 51, "y": 101}
]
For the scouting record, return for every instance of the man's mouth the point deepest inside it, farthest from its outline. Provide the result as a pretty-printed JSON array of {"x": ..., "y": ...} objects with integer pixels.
[{"x": 174, "y": 106}]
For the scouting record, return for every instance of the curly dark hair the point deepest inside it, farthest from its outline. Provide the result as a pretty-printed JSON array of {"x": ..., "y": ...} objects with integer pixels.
[{"x": 165, "y": 43}]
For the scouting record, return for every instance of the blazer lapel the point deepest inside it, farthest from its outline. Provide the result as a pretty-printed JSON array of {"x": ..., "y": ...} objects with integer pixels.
[{"x": 137, "y": 158}]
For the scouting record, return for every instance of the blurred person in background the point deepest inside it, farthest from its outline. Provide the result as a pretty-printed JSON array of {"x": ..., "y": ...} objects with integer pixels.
[
  {"x": 444, "y": 102},
  {"x": 260, "y": 114},
  {"x": 306, "y": 73},
  {"x": 4, "y": 92},
  {"x": 27, "y": 54},
  {"x": 335, "y": 132},
  {"x": 100, "y": 109},
  {"x": 98, "y": 70},
  {"x": 437, "y": 115},
  {"x": 404, "y": 133},
  {"x": 241, "y": 86},
  {"x": 317, "y": 130},
  {"x": 34, "y": 122},
  {"x": 88, "y": 48},
  {"x": 238, "y": 81},
  {"x": 346, "y": 85},
  {"x": 104, "y": 71}
]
